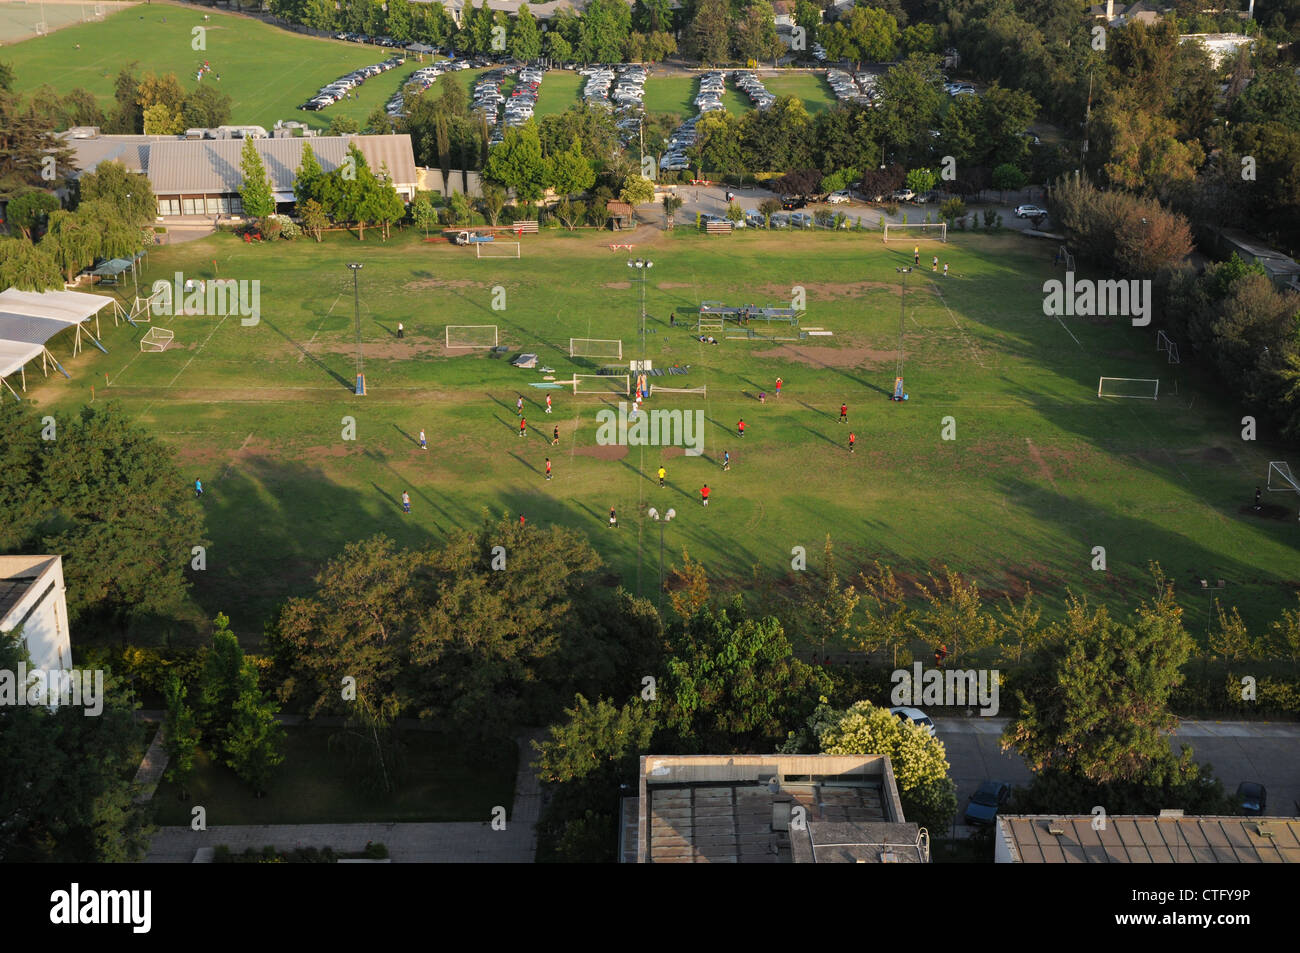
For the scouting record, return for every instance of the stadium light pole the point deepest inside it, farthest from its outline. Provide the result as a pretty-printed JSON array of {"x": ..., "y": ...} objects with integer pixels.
[
  {"x": 356, "y": 316},
  {"x": 654, "y": 515},
  {"x": 643, "y": 266},
  {"x": 1209, "y": 605},
  {"x": 902, "y": 320}
]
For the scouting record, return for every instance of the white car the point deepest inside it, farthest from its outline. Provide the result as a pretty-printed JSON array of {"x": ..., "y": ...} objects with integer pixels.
[
  {"x": 839, "y": 198},
  {"x": 914, "y": 716},
  {"x": 1029, "y": 211}
]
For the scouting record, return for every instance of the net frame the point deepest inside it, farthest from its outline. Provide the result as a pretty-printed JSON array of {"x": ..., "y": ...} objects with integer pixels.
[
  {"x": 1287, "y": 478},
  {"x": 941, "y": 226},
  {"x": 479, "y": 246},
  {"x": 156, "y": 340},
  {"x": 1166, "y": 344},
  {"x": 702, "y": 390},
  {"x": 471, "y": 347},
  {"x": 610, "y": 379},
  {"x": 1101, "y": 383},
  {"x": 604, "y": 355}
]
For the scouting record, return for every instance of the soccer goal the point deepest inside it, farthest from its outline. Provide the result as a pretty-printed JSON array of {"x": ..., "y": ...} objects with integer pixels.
[
  {"x": 471, "y": 336},
  {"x": 156, "y": 339},
  {"x": 1167, "y": 345},
  {"x": 596, "y": 348},
  {"x": 701, "y": 391},
  {"x": 1139, "y": 388},
  {"x": 496, "y": 249},
  {"x": 1281, "y": 479},
  {"x": 620, "y": 384},
  {"x": 920, "y": 231}
]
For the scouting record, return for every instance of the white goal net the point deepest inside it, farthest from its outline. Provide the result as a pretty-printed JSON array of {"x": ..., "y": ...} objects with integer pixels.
[
  {"x": 1281, "y": 479},
  {"x": 1138, "y": 388},
  {"x": 497, "y": 249},
  {"x": 471, "y": 335},
  {"x": 917, "y": 232},
  {"x": 156, "y": 339},
  {"x": 620, "y": 384},
  {"x": 596, "y": 347},
  {"x": 702, "y": 390},
  {"x": 1168, "y": 345}
]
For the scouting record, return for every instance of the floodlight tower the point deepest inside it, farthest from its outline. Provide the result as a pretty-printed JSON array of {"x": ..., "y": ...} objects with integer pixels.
[
  {"x": 356, "y": 315},
  {"x": 654, "y": 515},
  {"x": 902, "y": 319},
  {"x": 643, "y": 266}
]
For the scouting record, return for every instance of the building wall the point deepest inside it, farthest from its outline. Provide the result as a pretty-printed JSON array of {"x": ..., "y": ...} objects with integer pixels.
[
  {"x": 44, "y": 607},
  {"x": 431, "y": 181}
]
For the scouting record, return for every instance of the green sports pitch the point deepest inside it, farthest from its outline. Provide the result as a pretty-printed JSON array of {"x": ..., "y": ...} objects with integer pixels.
[{"x": 1003, "y": 462}]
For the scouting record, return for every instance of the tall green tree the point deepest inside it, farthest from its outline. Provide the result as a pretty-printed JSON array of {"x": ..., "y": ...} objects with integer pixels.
[
  {"x": 254, "y": 736},
  {"x": 255, "y": 185},
  {"x": 181, "y": 734},
  {"x": 525, "y": 37}
]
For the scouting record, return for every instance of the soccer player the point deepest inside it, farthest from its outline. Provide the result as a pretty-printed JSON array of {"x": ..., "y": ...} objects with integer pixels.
[
  {"x": 853, "y": 438},
  {"x": 523, "y": 426},
  {"x": 519, "y": 406},
  {"x": 762, "y": 397},
  {"x": 548, "y": 468},
  {"x": 740, "y": 427},
  {"x": 726, "y": 460},
  {"x": 198, "y": 490},
  {"x": 916, "y": 254},
  {"x": 704, "y": 494},
  {"x": 945, "y": 269},
  {"x": 555, "y": 436},
  {"x": 662, "y": 473},
  {"x": 613, "y": 519},
  {"x": 548, "y": 403},
  {"x": 406, "y": 502},
  {"x": 521, "y": 520},
  {"x": 1256, "y": 498},
  {"x": 401, "y": 331},
  {"x": 778, "y": 387},
  {"x": 934, "y": 266},
  {"x": 424, "y": 444},
  {"x": 844, "y": 413}
]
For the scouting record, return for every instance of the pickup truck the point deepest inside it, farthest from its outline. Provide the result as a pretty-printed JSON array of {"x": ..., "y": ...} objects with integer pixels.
[{"x": 470, "y": 238}]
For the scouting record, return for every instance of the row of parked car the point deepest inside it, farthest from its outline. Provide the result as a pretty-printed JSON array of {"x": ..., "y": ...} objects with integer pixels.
[
  {"x": 758, "y": 94},
  {"x": 424, "y": 77},
  {"x": 329, "y": 95},
  {"x": 845, "y": 86},
  {"x": 387, "y": 41},
  {"x": 959, "y": 89},
  {"x": 523, "y": 98},
  {"x": 712, "y": 86},
  {"x": 683, "y": 137}
]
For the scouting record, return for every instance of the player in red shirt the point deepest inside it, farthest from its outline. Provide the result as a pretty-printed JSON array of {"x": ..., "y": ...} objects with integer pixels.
[
  {"x": 704, "y": 494},
  {"x": 740, "y": 427},
  {"x": 844, "y": 413},
  {"x": 523, "y": 426},
  {"x": 778, "y": 387},
  {"x": 852, "y": 440}
]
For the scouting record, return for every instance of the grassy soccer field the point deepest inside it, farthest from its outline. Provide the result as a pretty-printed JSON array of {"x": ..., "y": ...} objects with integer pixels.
[
  {"x": 268, "y": 72},
  {"x": 1040, "y": 472}
]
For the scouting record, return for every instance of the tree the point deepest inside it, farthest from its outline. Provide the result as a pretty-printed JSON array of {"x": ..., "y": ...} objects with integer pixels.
[
  {"x": 219, "y": 684},
  {"x": 637, "y": 190},
  {"x": 254, "y": 736},
  {"x": 517, "y": 163},
  {"x": 29, "y": 210},
  {"x": 162, "y": 90},
  {"x": 66, "y": 791},
  {"x": 255, "y": 186},
  {"x": 1101, "y": 713},
  {"x": 870, "y": 34},
  {"x": 824, "y": 609},
  {"x": 1230, "y": 639},
  {"x": 316, "y": 221},
  {"x": 754, "y": 34},
  {"x": 128, "y": 194},
  {"x": 525, "y": 37},
  {"x": 768, "y": 208},
  {"x": 423, "y": 213},
  {"x": 181, "y": 734},
  {"x": 159, "y": 121},
  {"x": 1007, "y": 178},
  {"x": 710, "y": 32},
  {"x": 672, "y": 203},
  {"x": 343, "y": 126},
  {"x": 889, "y": 616},
  {"x": 205, "y": 108},
  {"x": 27, "y": 267},
  {"x": 569, "y": 172},
  {"x": 309, "y": 177},
  {"x": 689, "y": 591},
  {"x": 921, "y": 181}
]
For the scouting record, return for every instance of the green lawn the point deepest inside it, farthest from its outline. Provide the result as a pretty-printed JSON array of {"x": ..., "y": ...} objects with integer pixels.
[
  {"x": 561, "y": 90},
  {"x": 319, "y": 784},
  {"x": 671, "y": 94},
  {"x": 1041, "y": 470},
  {"x": 810, "y": 87},
  {"x": 268, "y": 72}
]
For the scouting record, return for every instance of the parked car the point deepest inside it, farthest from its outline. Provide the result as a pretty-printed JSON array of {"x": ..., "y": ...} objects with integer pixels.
[
  {"x": 754, "y": 218},
  {"x": 984, "y": 804},
  {"x": 1252, "y": 797},
  {"x": 790, "y": 202},
  {"x": 903, "y": 195},
  {"x": 914, "y": 716},
  {"x": 839, "y": 198},
  {"x": 1029, "y": 211},
  {"x": 801, "y": 220}
]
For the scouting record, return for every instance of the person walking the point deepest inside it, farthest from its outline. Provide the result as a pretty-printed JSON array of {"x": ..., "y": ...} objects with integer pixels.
[
  {"x": 662, "y": 473},
  {"x": 424, "y": 444},
  {"x": 844, "y": 413},
  {"x": 778, "y": 387},
  {"x": 726, "y": 460},
  {"x": 548, "y": 468},
  {"x": 945, "y": 269},
  {"x": 740, "y": 427},
  {"x": 934, "y": 265},
  {"x": 401, "y": 331},
  {"x": 916, "y": 254},
  {"x": 519, "y": 406},
  {"x": 198, "y": 489},
  {"x": 853, "y": 438},
  {"x": 523, "y": 426},
  {"x": 555, "y": 436},
  {"x": 548, "y": 403},
  {"x": 762, "y": 397},
  {"x": 406, "y": 502},
  {"x": 704, "y": 494},
  {"x": 613, "y": 519}
]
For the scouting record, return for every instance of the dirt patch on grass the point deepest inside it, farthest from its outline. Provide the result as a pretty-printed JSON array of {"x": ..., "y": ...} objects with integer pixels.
[
  {"x": 426, "y": 284},
  {"x": 1037, "y": 457},
  {"x": 673, "y": 451},
  {"x": 673, "y": 285},
  {"x": 831, "y": 356},
  {"x": 617, "y": 285},
  {"x": 389, "y": 348},
  {"x": 829, "y": 289},
  {"x": 601, "y": 452},
  {"x": 1266, "y": 511}
]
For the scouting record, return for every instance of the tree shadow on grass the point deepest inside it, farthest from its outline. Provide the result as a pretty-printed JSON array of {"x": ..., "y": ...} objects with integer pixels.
[{"x": 349, "y": 384}]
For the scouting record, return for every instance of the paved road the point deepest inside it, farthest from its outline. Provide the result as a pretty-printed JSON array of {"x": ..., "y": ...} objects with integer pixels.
[{"x": 1267, "y": 752}]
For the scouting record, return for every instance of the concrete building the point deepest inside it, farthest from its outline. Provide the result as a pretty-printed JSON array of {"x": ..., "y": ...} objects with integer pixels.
[
  {"x": 200, "y": 178},
  {"x": 1169, "y": 838},
  {"x": 33, "y": 598},
  {"x": 1120, "y": 14},
  {"x": 768, "y": 809},
  {"x": 1220, "y": 46}
]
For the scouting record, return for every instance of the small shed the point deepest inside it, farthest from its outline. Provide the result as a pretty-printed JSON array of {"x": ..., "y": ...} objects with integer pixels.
[{"x": 621, "y": 215}]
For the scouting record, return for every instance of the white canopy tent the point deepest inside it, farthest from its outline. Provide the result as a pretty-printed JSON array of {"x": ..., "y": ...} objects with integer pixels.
[{"x": 28, "y": 319}]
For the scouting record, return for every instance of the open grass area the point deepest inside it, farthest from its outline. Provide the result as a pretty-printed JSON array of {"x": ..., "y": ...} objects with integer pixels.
[
  {"x": 318, "y": 783},
  {"x": 671, "y": 94},
  {"x": 1040, "y": 472},
  {"x": 268, "y": 72},
  {"x": 561, "y": 90},
  {"x": 812, "y": 88}
]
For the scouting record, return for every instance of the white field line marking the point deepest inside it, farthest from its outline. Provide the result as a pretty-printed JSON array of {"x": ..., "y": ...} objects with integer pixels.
[
  {"x": 149, "y": 406},
  {"x": 970, "y": 342}
]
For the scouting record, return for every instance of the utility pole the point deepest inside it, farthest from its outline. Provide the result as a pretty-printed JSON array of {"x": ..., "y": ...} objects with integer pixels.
[{"x": 356, "y": 314}]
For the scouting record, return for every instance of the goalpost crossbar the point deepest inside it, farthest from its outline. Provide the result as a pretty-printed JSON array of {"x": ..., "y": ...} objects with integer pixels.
[
  {"x": 596, "y": 347},
  {"x": 602, "y": 384},
  {"x": 923, "y": 227},
  {"x": 1287, "y": 483},
  {"x": 488, "y": 249}
]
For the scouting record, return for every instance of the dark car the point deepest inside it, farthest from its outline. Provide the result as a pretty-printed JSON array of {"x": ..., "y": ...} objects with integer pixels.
[
  {"x": 1252, "y": 797},
  {"x": 791, "y": 202},
  {"x": 985, "y": 803}
]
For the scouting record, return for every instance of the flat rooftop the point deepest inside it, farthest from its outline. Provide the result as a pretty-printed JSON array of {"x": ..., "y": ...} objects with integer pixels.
[{"x": 1148, "y": 840}]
